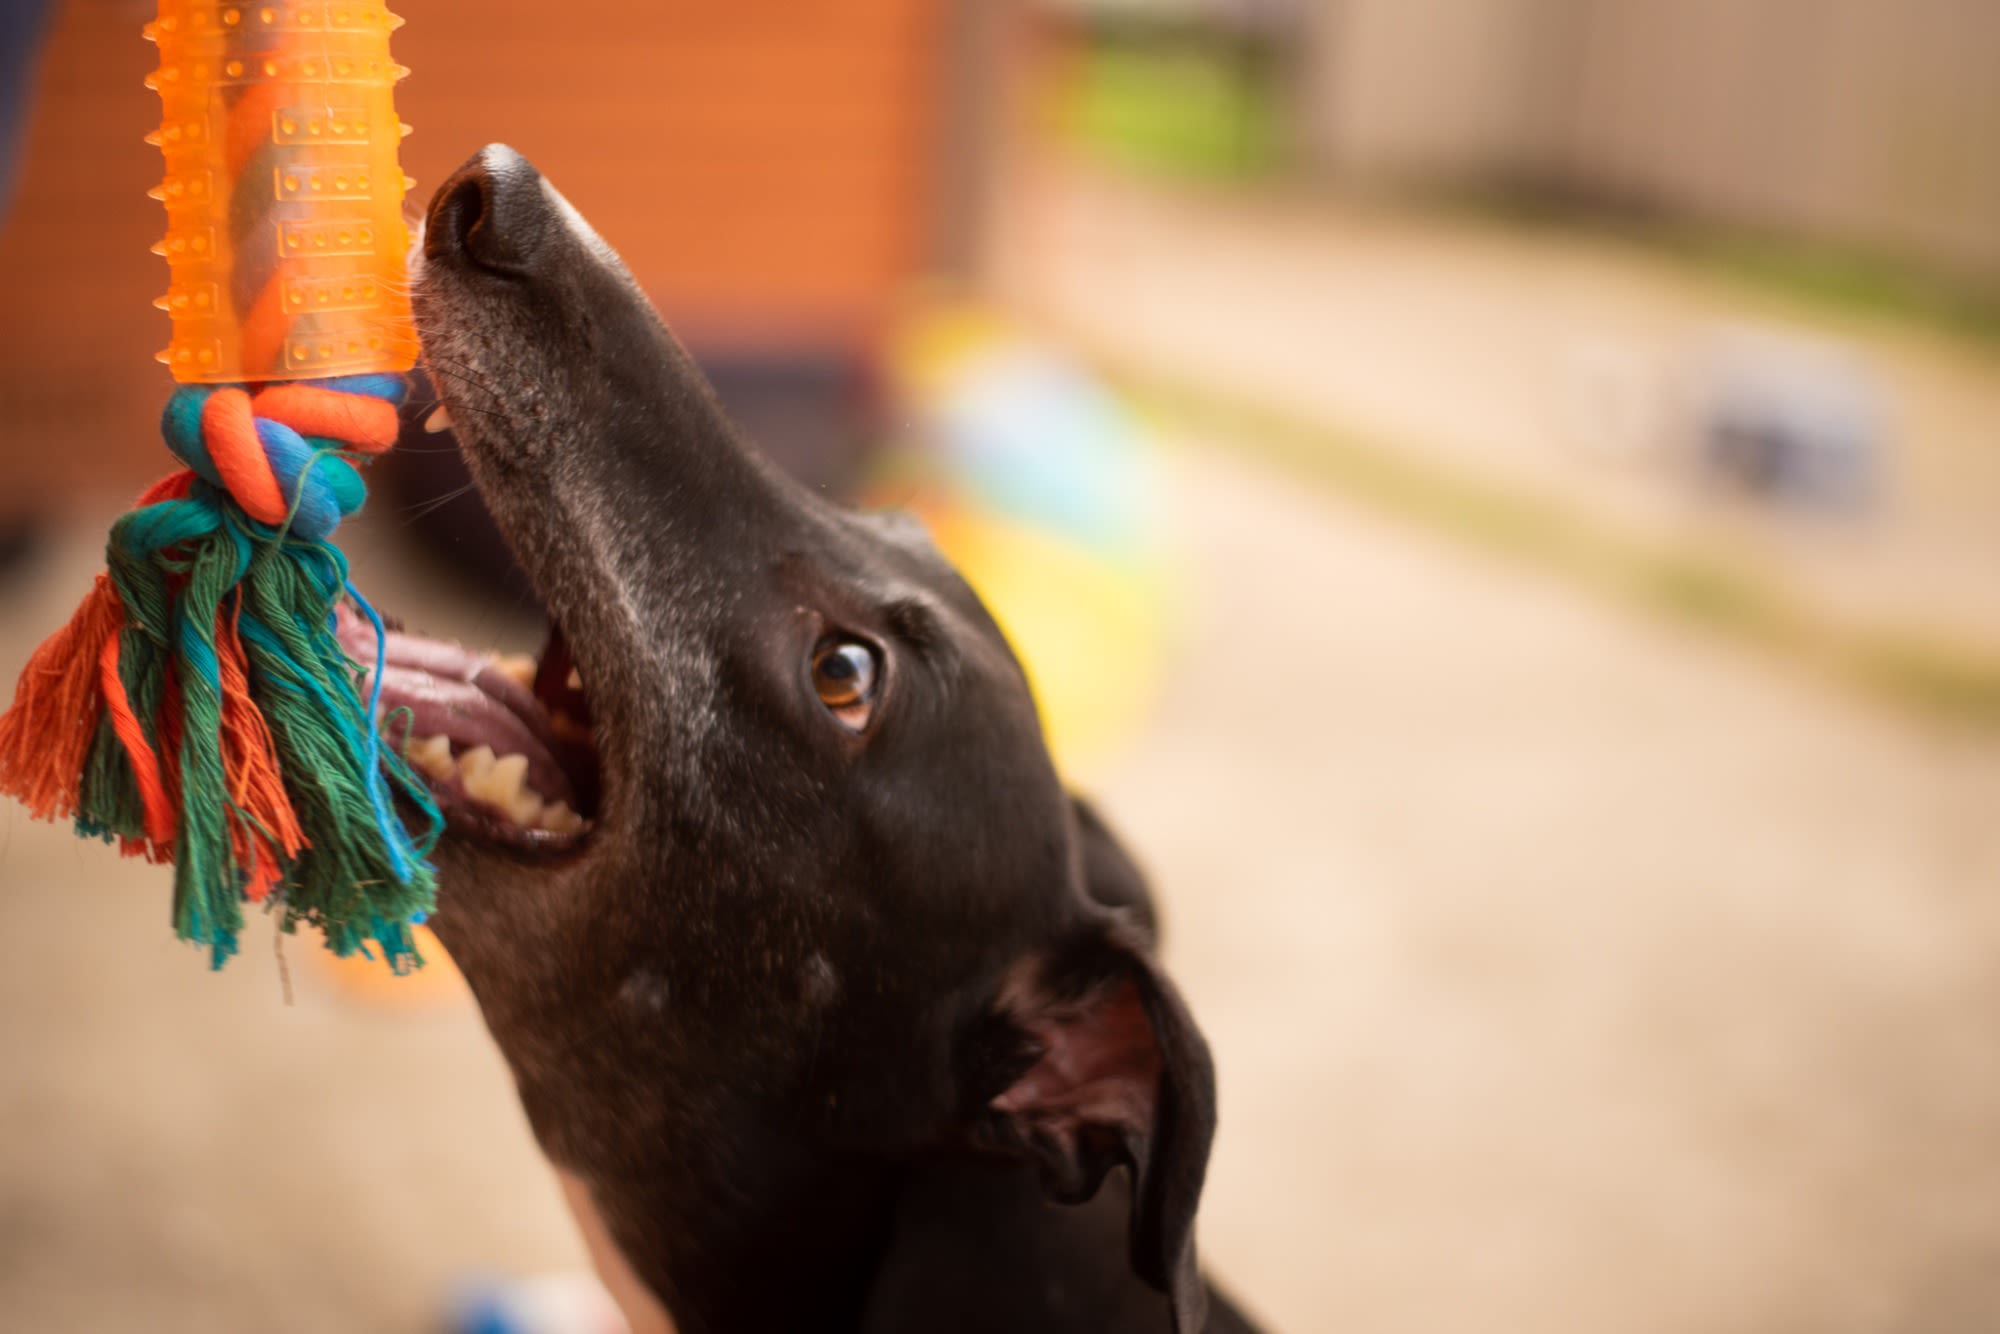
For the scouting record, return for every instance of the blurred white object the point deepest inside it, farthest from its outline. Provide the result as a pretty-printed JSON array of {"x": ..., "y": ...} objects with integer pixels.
[
  {"x": 1791, "y": 422},
  {"x": 551, "y": 1304}
]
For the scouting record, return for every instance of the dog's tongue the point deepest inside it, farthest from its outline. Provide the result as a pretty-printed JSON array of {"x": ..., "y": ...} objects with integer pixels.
[{"x": 470, "y": 699}]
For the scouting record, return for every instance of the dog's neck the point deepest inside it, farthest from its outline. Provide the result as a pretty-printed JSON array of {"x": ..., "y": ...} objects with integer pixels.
[
  {"x": 718, "y": 1212},
  {"x": 806, "y": 1263}
]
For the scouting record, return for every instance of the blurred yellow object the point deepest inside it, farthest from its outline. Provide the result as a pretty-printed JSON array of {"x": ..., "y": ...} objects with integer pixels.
[
  {"x": 284, "y": 198},
  {"x": 1088, "y": 631},
  {"x": 1040, "y": 484},
  {"x": 939, "y": 335}
]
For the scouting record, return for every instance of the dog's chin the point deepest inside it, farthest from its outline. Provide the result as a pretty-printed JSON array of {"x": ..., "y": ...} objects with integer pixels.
[{"x": 504, "y": 744}]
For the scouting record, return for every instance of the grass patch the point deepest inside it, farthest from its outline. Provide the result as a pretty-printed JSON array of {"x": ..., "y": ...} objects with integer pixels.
[
  {"x": 1839, "y": 279},
  {"x": 1847, "y": 281}
]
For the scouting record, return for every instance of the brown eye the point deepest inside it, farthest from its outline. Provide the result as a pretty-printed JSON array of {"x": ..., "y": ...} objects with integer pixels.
[{"x": 844, "y": 672}]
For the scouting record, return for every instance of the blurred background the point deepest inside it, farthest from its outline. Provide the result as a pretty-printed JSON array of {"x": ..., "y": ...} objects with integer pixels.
[{"x": 1500, "y": 500}]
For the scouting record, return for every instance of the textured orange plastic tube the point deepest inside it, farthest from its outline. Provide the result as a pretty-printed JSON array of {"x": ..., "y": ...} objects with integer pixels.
[{"x": 285, "y": 232}]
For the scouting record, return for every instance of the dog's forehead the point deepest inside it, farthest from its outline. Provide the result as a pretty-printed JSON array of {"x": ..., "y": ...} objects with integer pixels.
[
  {"x": 917, "y": 559},
  {"x": 904, "y": 531}
]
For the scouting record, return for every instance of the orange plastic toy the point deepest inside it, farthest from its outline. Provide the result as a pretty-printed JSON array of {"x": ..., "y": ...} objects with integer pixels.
[{"x": 285, "y": 230}]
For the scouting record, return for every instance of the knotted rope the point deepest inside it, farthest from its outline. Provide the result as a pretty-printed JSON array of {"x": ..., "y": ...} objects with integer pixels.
[{"x": 198, "y": 710}]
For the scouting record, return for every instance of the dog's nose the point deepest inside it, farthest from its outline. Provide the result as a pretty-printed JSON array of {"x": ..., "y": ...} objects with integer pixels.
[{"x": 492, "y": 211}]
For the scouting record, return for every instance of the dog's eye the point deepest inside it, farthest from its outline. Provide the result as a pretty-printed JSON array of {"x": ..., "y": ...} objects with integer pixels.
[{"x": 845, "y": 672}]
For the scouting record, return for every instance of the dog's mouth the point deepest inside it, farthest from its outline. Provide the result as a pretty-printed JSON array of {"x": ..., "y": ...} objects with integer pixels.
[{"x": 504, "y": 743}]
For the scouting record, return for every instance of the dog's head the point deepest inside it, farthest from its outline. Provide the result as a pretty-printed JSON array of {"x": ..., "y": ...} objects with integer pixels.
[{"x": 830, "y": 890}]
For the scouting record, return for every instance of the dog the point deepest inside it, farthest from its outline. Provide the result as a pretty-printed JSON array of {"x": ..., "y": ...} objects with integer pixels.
[{"x": 832, "y": 1008}]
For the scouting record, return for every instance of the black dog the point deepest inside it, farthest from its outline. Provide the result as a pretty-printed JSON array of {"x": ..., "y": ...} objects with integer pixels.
[{"x": 834, "y": 987}]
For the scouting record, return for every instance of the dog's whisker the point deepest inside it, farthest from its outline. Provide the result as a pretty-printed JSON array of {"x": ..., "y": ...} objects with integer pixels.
[
  {"x": 460, "y": 377},
  {"x": 478, "y": 411},
  {"x": 424, "y": 509},
  {"x": 462, "y": 370}
]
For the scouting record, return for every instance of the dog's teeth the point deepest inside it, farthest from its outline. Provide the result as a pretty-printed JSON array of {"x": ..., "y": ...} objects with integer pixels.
[
  {"x": 558, "y": 818},
  {"x": 475, "y": 766},
  {"x": 489, "y": 776},
  {"x": 437, "y": 421},
  {"x": 512, "y": 793},
  {"x": 431, "y": 755},
  {"x": 575, "y": 679},
  {"x": 525, "y": 809},
  {"x": 510, "y": 770},
  {"x": 519, "y": 666},
  {"x": 499, "y": 783}
]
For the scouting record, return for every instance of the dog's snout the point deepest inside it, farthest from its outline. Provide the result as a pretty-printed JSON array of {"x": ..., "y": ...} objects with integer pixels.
[{"x": 492, "y": 211}]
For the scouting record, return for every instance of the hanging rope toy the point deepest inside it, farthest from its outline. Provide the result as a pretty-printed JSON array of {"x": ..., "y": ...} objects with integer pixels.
[{"x": 197, "y": 709}]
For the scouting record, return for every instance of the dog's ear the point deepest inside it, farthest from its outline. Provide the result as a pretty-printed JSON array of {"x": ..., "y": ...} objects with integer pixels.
[
  {"x": 1110, "y": 876},
  {"x": 1107, "y": 1068}
]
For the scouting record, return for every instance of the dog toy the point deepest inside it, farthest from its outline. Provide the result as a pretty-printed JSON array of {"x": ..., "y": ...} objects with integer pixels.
[{"x": 197, "y": 709}]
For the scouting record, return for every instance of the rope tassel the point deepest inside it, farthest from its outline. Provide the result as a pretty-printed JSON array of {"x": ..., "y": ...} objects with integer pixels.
[
  {"x": 46, "y": 737},
  {"x": 198, "y": 710}
]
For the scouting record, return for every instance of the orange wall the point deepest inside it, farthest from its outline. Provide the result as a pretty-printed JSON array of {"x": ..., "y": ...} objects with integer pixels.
[{"x": 748, "y": 157}]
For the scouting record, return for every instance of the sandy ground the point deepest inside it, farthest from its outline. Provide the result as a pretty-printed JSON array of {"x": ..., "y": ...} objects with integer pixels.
[{"x": 1565, "y": 974}]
